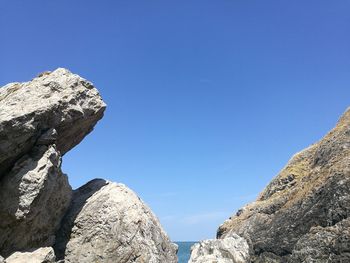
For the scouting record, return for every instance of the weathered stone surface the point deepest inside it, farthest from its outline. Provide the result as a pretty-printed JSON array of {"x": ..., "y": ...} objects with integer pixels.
[
  {"x": 58, "y": 100},
  {"x": 34, "y": 196},
  {"x": 233, "y": 249},
  {"x": 41, "y": 255},
  {"x": 107, "y": 222},
  {"x": 312, "y": 193},
  {"x": 324, "y": 244}
]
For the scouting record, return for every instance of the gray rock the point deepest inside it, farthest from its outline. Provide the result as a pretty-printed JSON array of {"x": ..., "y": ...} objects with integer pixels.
[
  {"x": 311, "y": 193},
  {"x": 107, "y": 222},
  {"x": 34, "y": 196},
  {"x": 58, "y": 100},
  {"x": 268, "y": 257},
  {"x": 324, "y": 244},
  {"x": 47, "y": 138},
  {"x": 40, "y": 255},
  {"x": 232, "y": 249},
  {"x": 1, "y": 259}
]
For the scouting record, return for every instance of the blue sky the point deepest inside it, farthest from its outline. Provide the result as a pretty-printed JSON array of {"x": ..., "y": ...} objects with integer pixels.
[{"x": 207, "y": 100}]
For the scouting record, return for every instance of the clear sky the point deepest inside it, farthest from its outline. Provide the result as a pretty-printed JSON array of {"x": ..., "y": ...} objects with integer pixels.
[{"x": 207, "y": 100}]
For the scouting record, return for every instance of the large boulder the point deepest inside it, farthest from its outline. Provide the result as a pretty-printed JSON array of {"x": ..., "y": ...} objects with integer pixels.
[
  {"x": 56, "y": 100},
  {"x": 34, "y": 196},
  {"x": 40, "y": 255},
  {"x": 308, "y": 200},
  {"x": 107, "y": 222},
  {"x": 233, "y": 249}
]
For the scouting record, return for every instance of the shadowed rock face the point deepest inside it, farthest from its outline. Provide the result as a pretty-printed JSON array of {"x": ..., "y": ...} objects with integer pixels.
[
  {"x": 34, "y": 197},
  {"x": 307, "y": 202},
  {"x": 58, "y": 100},
  {"x": 107, "y": 222}
]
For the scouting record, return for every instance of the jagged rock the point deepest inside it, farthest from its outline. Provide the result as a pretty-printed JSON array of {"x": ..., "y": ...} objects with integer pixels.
[
  {"x": 324, "y": 244},
  {"x": 39, "y": 121},
  {"x": 300, "y": 215},
  {"x": 34, "y": 196},
  {"x": 56, "y": 102},
  {"x": 233, "y": 249},
  {"x": 40, "y": 255},
  {"x": 107, "y": 222}
]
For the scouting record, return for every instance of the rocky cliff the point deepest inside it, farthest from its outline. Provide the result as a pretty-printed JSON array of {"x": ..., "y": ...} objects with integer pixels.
[
  {"x": 42, "y": 219},
  {"x": 303, "y": 214}
]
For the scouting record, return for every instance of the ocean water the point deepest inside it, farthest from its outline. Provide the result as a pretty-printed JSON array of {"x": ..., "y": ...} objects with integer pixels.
[{"x": 184, "y": 251}]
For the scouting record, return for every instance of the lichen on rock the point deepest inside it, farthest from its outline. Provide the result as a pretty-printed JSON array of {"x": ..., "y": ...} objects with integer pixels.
[{"x": 311, "y": 192}]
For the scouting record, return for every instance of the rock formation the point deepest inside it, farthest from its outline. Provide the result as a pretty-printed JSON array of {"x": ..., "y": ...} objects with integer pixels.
[
  {"x": 35, "y": 195},
  {"x": 40, "y": 255},
  {"x": 233, "y": 249},
  {"x": 59, "y": 102},
  {"x": 41, "y": 120},
  {"x": 123, "y": 217},
  {"x": 303, "y": 214}
]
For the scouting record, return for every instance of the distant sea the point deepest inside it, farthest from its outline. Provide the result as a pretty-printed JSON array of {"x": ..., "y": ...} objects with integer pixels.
[{"x": 184, "y": 252}]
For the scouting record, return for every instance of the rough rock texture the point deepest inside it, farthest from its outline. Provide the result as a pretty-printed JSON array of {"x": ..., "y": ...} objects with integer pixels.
[
  {"x": 41, "y": 120},
  {"x": 34, "y": 196},
  {"x": 107, "y": 222},
  {"x": 58, "y": 100},
  {"x": 324, "y": 244},
  {"x": 41, "y": 255},
  {"x": 303, "y": 214},
  {"x": 233, "y": 249}
]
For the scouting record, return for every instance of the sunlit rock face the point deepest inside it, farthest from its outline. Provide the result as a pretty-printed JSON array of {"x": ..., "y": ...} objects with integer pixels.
[
  {"x": 233, "y": 249},
  {"x": 40, "y": 255},
  {"x": 41, "y": 120},
  {"x": 108, "y": 222},
  {"x": 57, "y": 100}
]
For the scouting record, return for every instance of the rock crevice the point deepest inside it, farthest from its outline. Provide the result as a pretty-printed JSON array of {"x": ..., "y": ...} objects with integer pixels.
[{"x": 42, "y": 219}]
